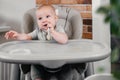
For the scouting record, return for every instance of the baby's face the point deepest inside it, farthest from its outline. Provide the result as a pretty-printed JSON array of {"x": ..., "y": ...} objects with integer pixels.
[{"x": 45, "y": 17}]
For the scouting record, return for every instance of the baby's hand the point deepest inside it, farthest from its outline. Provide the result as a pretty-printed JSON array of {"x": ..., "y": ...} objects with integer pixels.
[
  {"x": 51, "y": 27},
  {"x": 11, "y": 34},
  {"x": 15, "y": 35}
]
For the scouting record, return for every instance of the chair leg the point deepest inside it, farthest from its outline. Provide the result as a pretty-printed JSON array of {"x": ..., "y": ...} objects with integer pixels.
[
  {"x": 15, "y": 72},
  {"x": 90, "y": 69},
  {"x": 27, "y": 76}
]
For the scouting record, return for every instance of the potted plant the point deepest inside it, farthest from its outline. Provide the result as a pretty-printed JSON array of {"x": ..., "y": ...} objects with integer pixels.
[{"x": 112, "y": 15}]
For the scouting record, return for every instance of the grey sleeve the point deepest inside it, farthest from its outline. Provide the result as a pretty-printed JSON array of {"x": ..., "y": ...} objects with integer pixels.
[{"x": 33, "y": 34}]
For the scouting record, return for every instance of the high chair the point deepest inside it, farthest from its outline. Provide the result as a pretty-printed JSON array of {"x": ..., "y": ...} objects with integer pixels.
[
  {"x": 29, "y": 24},
  {"x": 101, "y": 33}
]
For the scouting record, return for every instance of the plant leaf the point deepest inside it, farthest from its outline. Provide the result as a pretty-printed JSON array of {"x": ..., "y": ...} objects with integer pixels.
[{"x": 115, "y": 54}]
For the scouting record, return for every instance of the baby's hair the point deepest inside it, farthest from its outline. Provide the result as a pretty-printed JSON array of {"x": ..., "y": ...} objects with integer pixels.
[{"x": 49, "y": 5}]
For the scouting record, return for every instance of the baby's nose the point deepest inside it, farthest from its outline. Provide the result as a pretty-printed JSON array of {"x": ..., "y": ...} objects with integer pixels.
[{"x": 44, "y": 20}]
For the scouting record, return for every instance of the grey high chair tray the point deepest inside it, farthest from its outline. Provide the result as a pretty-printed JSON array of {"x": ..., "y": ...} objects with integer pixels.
[{"x": 52, "y": 54}]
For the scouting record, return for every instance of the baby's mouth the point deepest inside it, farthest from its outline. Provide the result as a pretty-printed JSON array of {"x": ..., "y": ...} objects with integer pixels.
[{"x": 45, "y": 25}]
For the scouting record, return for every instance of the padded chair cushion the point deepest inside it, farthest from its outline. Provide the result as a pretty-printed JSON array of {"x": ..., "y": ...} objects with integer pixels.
[
  {"x": 73, "y": 17},
  {"x": 70, "y": 15},
  {"x": 67, "y": 27}
]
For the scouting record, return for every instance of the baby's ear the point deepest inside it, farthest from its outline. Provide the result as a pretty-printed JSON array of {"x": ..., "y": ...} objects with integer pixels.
[
  {"x": 56, "y": 17},
  {"x": 57, "y": 12}
]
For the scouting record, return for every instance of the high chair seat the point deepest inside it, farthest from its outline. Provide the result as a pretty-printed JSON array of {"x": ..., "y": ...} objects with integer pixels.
[{"x": 71, "y": 17}]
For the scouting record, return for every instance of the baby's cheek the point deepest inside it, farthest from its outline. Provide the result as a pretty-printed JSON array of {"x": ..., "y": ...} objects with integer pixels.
[
  {"x": 40, "y": 27},
  {"x": 39, "y": 24},
  {"x": 54, "y": 24}
]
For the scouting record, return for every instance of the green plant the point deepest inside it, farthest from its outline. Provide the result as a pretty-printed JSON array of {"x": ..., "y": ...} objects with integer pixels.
[{"x": 112, "y": 15}]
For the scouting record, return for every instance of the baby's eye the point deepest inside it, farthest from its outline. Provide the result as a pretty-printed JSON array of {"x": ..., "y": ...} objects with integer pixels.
[
  {"x": 39, "y": 18},
  {"x": 47, "y": 16}
]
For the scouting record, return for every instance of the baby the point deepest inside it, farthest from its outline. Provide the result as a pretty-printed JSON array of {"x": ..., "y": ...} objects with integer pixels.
[
  {"x": 46, "y": 19},
  {"x": 49, "y": 28}
]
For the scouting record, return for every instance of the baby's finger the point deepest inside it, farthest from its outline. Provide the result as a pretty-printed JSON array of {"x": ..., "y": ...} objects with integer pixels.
[
  {"x": 14, "y": 36},
  {"x": 50, "y": 25},
  {"x": 11, "y": 34},
  {"x": 6, "y": 35}
]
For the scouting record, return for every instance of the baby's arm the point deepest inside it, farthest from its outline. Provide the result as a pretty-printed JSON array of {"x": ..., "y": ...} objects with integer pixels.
[
  {"x": 15, "y": 35},
  {"x": 59, "y": 36}
]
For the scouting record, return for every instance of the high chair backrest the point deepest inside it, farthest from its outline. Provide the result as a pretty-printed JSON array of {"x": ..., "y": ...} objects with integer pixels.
[{"x": 70, "y": 15}]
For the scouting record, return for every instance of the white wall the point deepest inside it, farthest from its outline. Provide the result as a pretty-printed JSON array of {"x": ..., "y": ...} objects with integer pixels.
[
  {"x": 101, "y": 33},
  {"x": 11, "y": 12}
]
